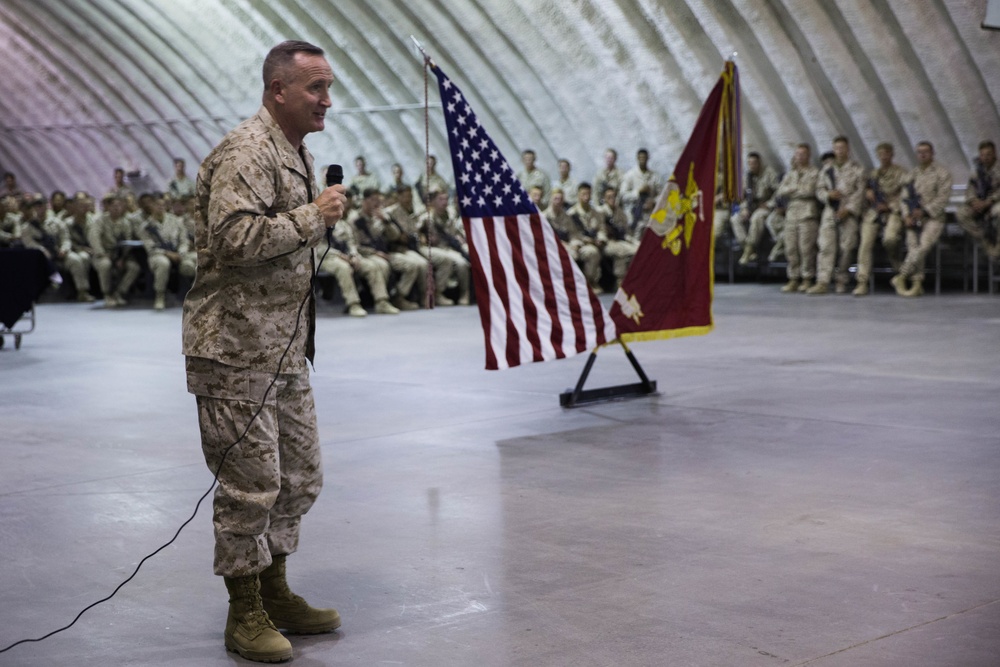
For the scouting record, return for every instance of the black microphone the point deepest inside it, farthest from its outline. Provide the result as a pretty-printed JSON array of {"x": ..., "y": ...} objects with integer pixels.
[{"x": 334, "y": 176}]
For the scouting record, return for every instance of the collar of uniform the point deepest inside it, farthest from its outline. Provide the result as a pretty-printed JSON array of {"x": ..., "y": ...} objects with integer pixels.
[{"x": 287, "y": 153}]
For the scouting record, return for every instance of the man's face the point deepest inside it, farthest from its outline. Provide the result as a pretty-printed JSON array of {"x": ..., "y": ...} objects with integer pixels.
[
  {"x": 58, "y": 202},
  {"x": 371, "y": 203},
  {"x": 609, "y": 159},
  {"x": 397, "y": 172},
  {"x": 753, "y": 164},
  {"x": 440, "y": 202},
  {"x": 528, "y": 158},
  {"x": 359, "y": 165},
  {"x": 641, "y": 159},
  {"x": 840, "y": 151},
  {"x": 609, "y": 198},
  {"x": 884, "y": 156},
  {"x": 303, "y": 94},
  {"x": 583, "y": 195},
  {"x": 431, "y": 163},
  {"x": 563, "y": 170},
  {"x": 988, "y": 155},
  {"x": 556, "y": 200},
  {"x": 535, "y": 195},
  {"x": 801, "y": 158},
  {"x": 925, "y": 155},
  {"x": 119, "y": 176},
  {"x": 179, "y": 167}
]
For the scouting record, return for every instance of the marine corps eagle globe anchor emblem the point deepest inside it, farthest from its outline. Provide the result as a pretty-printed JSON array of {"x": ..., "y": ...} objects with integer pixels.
[{"x": 664, "y": 221}]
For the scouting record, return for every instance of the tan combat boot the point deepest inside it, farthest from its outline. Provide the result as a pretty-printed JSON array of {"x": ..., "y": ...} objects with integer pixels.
[
  {"x": 805, "y": 285},
  {"x": 249, "y": 631},
  {"x": 817, "y": 289},
  {"x": 287, "y": 610},
  {"x": 898, "y": 283},
  {"x": 916, "y": 288},
  {"x": 791, "y": 286},
  {"x": 861, "y": 288}
]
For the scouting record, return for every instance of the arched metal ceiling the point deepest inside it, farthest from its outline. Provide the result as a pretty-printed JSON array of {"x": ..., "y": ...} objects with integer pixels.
[{"x": 88, "y": 85}]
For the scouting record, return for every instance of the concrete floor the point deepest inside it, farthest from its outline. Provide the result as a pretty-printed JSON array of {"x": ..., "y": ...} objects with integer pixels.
[{"x": 818, "y": 483}]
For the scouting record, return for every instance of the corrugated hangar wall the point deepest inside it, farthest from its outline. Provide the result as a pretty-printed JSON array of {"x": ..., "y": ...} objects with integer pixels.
[{"x": 89, "y": 85}]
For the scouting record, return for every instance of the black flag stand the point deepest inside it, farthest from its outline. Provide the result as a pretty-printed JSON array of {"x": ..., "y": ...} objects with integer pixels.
[{"x": 580, "y": 396}]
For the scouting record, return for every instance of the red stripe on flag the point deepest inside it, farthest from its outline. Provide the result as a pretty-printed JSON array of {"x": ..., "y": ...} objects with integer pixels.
[
  {"x": 595, "y": 306},
  {"x": 545, "y": 273},
  {"x": 521, "y": 275},
  {"x": 574, "y": 303},
  {"x": 500, "y": 290},
  {"x": 482, "y": 295}
]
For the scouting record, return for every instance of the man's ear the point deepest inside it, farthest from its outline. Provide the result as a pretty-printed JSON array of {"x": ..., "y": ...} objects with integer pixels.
[{"x": 277, "y": 90}]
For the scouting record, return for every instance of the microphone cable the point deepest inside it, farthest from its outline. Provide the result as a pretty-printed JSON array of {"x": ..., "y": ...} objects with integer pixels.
[{"x": 218, "y": 470}]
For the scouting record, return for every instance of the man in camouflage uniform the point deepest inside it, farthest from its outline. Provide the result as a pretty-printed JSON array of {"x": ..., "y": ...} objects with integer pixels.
[
  {"x": 401, "y": 232},
  {"x": 74, "y": 247},
  {"x": 180, "y": 186},
  {"x": 107, "y": 233},
  {"x": 335, "y": 259},
  {"x": 841, "y": 188},
  {"x": 533, "y": 177},
  {"x": 610, "y": 176},
  {"x": 366, "y": 224},
  {"x": 882, "y": 193},
  {"x": 166, "y": 243},
  {"x": 364, "y": 259},
  {"x": 10, "y": 222},
  {"x": 979, "y": 216},
  {"x": 362, "y": 179},
  {"x": 584, "y": 238},
  {"x": 425, "y": 186},
  {"x": 619, "y": 244},
  {"x": 798, "y": 188},
  {"x": 639, "y": 188},
  {"x": 922, "y": 208},
  {"x": 248, "y": 329},
  {"x": 566, "y": 183},
  {"x": 749, "y": 221},
  {"x": 446, "y": 236}
]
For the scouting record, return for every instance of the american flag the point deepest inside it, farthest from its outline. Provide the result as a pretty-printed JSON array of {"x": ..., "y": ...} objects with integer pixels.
[{"x": 534, "y": 301}]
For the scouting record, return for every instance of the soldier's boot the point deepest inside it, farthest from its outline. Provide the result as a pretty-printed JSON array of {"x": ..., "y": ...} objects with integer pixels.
[
  {"x": 160, "y": 301},
  {"x": 249, "y": 631},
  {"x": 861, "y": 288},
  {"x": 805, "y": 285},
  {"x": 817, "y": 289},
  {"x": 355, "y": 310},
  {"x": 83, "y": 296},
  {"x": 383, "y": 307},
  {"x": 441, "y": 300},
  {"x": 748, "y": 255},
  {"x": 898, "y": 283},
  {"x": 287, "y": 610},
  {"x": 790, "y": 286},
  {"x": 916, "y": 288}
]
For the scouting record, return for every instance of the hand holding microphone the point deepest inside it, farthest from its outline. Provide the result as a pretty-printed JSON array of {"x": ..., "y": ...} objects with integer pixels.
[{"x": 332, "y": 201}]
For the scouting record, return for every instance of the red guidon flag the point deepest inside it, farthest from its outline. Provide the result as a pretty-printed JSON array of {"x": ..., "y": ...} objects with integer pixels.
[
  {"x": 533, "y": 299},
  {"x": 667, "y": 291}
]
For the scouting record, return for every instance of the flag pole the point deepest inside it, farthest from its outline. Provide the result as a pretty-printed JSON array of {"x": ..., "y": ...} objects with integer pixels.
[{"x": 430, "y": 289}]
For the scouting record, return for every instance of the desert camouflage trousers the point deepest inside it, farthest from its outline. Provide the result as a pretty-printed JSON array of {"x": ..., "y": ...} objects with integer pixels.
[{"x": 272, "y": 476}]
